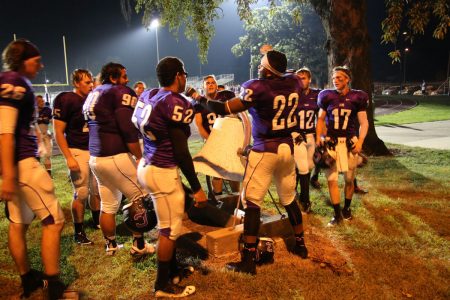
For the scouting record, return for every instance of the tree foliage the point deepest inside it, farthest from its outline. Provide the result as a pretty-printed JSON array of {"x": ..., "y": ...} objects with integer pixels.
[
  {"x": 195, "y": 16},
  {"x": 413, "y": 17},
  {"x": 293, "y": 29}
]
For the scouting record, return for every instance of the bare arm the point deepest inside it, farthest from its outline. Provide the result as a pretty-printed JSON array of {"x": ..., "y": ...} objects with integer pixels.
[
  {"x": 58, "y": 128},
  {"x": 320, "y": 126},
  {"x": 8, "y": 167},
  {"x": 8, "y": 121},
  {"x": 363, "y": 128}
]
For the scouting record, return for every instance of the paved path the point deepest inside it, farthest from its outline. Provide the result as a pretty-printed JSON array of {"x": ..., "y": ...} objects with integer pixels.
[
  {"x": 390, "y": 106},
  {"x": 435, "y": 135}
]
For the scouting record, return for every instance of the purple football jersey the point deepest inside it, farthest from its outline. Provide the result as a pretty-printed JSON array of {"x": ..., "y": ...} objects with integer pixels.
[
  {"x": 154, "y": 115},
  {"x": 307, "y": 111},
  {"x": 16, "y": 91},
  {"x": 342, "y": 111},
  {"x": 208, "y": 117},
  {"x": 273, "y": 112},
  {"x": 44, "y": 115},
  {"x": 109, "y": 109},
  {"x": 68, "y": 107}
]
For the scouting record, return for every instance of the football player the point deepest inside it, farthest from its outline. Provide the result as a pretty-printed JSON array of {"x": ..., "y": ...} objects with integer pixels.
[
  {"x": 114, "y": 151},
  {"x": 304, "y": 141},
  {"x": 204, "y": 119},
  {"x": 139, "y": 87},
  {"x": 340, "y": 110},
  {"x": 72, "y": 136},
  {"x": 271, "y": 101},
  {"x": 163, "y": 117},
  {"x": 44, "y": 118},
  {"x": 25, "y": 186}
]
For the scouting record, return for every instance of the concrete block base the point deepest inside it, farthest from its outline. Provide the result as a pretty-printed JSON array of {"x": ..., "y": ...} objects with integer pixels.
[{"x": 225, "y": 241}]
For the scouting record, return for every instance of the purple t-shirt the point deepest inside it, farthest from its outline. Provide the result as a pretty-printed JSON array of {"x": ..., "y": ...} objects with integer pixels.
[
  {"x": 273, "y": 111},
  {"x": 154, "y": 115},
  {"x": 68, "y": 107},
  {"x": 342, "y": 111},
  {"x": 307, "y": 111},
  {"x": 16, "y": 91},
  {"x": 208, "y": 117},
  {"x": 45, "y": 115},
  {"x": 109, "y": 109}
]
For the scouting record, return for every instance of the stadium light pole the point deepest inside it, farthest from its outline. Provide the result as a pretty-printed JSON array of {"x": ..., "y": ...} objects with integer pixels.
[
  {"x": 155, "y": 24},
  {"x": 404, "y": 66}
]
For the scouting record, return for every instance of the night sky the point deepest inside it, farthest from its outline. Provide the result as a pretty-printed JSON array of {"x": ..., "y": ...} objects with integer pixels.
[{"x": 96, "y": 33}]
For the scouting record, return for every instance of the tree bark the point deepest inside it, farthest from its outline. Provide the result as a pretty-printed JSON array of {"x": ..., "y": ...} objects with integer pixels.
[{"x": 348, "y": 43}]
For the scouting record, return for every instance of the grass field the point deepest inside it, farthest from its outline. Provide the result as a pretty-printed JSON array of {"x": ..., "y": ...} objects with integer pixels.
[
  {"x": 397, "y": 246},
  {"x": 429, "y": 108}
]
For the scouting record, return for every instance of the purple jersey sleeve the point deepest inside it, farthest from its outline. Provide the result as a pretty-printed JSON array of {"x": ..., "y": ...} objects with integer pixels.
[
  {"x": 153, "y": 116},
  {"x": 274, "y": 103},
  {"x": 16, "y": 91},
  {"x": 67, "y": 107}
]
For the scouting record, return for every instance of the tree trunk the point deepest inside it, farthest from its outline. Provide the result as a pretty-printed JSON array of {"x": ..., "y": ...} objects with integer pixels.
[{"x": 348, "y": 44}]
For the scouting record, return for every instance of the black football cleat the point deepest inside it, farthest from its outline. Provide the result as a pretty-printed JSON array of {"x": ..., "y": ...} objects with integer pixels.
[
  {"x": 81, "y": 239},
  {"x": 31, "y": 282},
  {"x": 347, "y": 214},
  {"x": 335, "y": 221},
  {"x": 300, "y": 248},
  {"x": 246, "y": 265},
  {"x": 315, "y": 184},
  {"x": 306, "y": 206}
]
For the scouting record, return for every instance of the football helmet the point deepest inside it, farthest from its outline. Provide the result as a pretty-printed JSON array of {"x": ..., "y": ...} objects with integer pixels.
[
  {"x": 322, "y": 157},
  {"x": 139, "y": 215}
]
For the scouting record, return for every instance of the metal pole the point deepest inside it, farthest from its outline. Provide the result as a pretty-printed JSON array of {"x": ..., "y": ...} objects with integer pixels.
[
  {"x": 157, "y": 46},
  {"x": 404, "y": 68},
  {"x": 65, "y": 60}
]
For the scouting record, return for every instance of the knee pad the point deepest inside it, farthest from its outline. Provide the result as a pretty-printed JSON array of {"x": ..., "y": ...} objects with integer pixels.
[
  {"x": 252, "y": 221},
  {"x": 294, "y": 213},
  {"x": 109, "y": 208},
  {"x": 81, "y": 194}
]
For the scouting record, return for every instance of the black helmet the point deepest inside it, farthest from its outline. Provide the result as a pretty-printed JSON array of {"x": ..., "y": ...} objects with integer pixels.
[
  {"x": 322, "y": 157},
  {"x": 265, "y": 250},
  {"x": 139, "y": 215}
]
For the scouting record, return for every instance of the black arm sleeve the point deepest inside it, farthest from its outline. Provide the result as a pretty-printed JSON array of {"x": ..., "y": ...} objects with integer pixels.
[
  {"x": 183, "y": 156},
  {"x": 215, "y": 106}
]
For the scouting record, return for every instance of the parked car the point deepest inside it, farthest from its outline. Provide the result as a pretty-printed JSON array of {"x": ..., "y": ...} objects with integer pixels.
[{"x": 392, "y": 90}]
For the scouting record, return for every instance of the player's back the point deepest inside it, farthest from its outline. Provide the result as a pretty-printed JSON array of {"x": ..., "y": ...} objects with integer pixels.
[
  {"x": 103, "y": 107},
  {"x": 155, "y": 114},
  {"x": 273, "y": 110}
]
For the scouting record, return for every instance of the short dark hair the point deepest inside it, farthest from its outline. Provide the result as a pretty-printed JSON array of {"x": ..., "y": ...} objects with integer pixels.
[
  {"x": 77, "y": 75},
  {"x": 111, "y": 69},
  {"x": 167, "y": 70},
  {"x": 344, "y": 69},
  {"x": 17, "y": 52},
  {"x": 277, "y": 60},
  {"x": 304, "y": 70}
]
